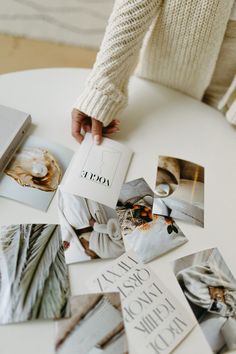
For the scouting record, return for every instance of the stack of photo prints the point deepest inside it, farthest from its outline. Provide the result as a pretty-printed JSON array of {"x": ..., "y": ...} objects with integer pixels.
[{"x": 127, "y": 309}]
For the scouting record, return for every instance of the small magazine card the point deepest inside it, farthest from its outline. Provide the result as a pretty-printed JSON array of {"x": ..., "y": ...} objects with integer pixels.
[
  {"x": 34, "y": 172},
  {"x": 155, "y": 320},
  {"x": 148, "y": 235},
  {"x": 97, "y": 172},
  {"x": 210, "y": 288},
  {"x": 90, "y": 230},
  {"x": 179, "y": 190},
  {"x": 95, "y": 327},
  {"x": 34, "y": 278}
]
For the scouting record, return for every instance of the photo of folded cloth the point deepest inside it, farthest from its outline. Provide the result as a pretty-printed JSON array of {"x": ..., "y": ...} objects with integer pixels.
[
  {"x": 89, "y": 229},
  {"x": 210, "y": 288},
  {"x": 198, "y": 279}
]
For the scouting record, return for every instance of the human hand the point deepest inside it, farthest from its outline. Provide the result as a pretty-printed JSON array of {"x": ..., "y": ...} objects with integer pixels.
[
  {"x": 81, "y": 121},
  {"x": 92, "y": 222},
  {"x": 87, "y": 250}
]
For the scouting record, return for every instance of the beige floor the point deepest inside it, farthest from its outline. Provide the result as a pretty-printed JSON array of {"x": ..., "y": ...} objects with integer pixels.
[{"x": 18, "y": 53}]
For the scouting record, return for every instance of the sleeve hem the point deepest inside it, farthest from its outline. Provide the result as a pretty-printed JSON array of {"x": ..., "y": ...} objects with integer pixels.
[{"x": 101, "y": 106}]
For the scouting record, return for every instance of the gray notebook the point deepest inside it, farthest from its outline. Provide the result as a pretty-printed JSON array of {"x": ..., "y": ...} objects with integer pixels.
[{"x": 13, "y": 126}]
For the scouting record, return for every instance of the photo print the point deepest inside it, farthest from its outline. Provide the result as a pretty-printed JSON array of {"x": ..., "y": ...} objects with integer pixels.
[
  {"x": 35, "y": 172},
  {"x": 34, "y": 281},
  {"x": 148, "y": 235},
  {"x": 97, "y": 172},
  {"x": 179, "y": 190},
  {"x": 210, "y": 288},
  {"x": 156, "y": 322},
  {"x": 90, "y": 230},
  {"x": 96, "y": 326}
]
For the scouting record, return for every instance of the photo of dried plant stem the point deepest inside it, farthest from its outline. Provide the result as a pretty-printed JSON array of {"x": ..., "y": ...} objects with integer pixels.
[
  {"x": 34, "y": 280},
  {"x": 96, "y": 326}
]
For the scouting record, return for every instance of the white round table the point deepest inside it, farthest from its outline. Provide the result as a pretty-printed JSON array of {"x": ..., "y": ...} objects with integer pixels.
[{"x": 157, "y": 121}]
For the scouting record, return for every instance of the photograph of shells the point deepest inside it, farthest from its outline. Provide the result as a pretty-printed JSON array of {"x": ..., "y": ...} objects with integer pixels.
[
  {"x": 179, "y": 190},
  {"x": 96, "y": 326},
  {"x": 210, "y": 289},
  {"x": 34, "y": 173},
  {"x": 90, "y": 230},
  {"x": 34, "y": 281},
  {"x": 148, "y": 235}
]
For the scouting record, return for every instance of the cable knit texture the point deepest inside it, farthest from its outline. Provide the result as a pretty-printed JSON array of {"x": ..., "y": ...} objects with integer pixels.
[{"x": 181, "y": 45}]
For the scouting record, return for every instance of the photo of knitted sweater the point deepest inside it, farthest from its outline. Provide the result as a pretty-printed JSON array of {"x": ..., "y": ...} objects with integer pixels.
[{"x": 180, "y": 40}]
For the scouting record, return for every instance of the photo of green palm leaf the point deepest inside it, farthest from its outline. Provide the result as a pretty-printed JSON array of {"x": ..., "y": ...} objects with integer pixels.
[{"x": 34, "y": 281}]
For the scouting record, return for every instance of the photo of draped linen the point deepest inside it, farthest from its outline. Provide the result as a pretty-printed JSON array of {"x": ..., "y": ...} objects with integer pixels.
[
  {"x": 210, "y": 288},
  {"x": 148, "y": 235},
  {"x": 179, "y": 190},
  {"x": 34, "y": 281},
  {"x": 90, "y": 230},
  {"x": 95, "y": 327}
]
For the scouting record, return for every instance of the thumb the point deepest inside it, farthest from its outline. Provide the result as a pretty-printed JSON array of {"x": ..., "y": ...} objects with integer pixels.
[{"x": 96, "y": 131}]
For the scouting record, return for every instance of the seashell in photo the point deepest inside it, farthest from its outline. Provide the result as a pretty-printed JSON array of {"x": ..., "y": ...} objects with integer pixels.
[{"x": 36, "y": 168}]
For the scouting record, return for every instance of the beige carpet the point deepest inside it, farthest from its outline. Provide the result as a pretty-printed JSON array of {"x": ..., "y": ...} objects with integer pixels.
[{"x": 76, "y": 22}]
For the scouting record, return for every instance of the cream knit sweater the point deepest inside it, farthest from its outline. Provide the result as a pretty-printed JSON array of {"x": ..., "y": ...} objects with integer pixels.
[{"x": 181, "y": 45}]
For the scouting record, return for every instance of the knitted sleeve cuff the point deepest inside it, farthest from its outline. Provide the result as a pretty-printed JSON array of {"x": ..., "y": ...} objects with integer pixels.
[{"x": 101, "y": 106}]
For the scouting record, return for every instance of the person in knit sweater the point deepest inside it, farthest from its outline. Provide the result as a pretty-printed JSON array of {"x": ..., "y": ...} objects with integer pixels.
[{"x": 188, "y": 45}]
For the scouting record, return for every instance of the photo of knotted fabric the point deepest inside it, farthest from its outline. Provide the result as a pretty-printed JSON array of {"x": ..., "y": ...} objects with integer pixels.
[{"x": 90, "y": 230}]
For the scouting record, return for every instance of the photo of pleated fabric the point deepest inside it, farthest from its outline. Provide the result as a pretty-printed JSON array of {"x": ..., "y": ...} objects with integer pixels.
[{"x": 34, "y": 281}]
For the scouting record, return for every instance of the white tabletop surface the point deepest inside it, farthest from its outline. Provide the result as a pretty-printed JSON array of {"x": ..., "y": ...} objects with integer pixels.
[{"x": 157, "y": 121}]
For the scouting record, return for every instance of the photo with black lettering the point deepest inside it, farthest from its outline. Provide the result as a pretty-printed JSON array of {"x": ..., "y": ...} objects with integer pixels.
[
  {"x": 155, "y": 320},
  {"x": 95, "y": 178}
]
